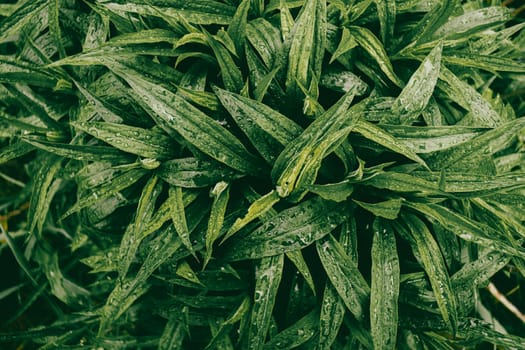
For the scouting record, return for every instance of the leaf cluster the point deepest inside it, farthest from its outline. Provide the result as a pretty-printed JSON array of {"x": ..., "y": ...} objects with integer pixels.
[{"x": 249, "y": 174}]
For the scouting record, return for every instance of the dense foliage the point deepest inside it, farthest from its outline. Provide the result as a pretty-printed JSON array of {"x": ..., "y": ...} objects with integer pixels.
[{"x": 317, "y": 174}]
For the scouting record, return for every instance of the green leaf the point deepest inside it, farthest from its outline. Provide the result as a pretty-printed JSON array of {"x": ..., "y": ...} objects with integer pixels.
[
  {"x": 221, "y": 196},
  {"x": 488, "y": 63},
  {"x": 307, "y": 46},
  {"x": 468, "y": 229},
  {"x": 296, "y": 257},
  {"x": 404, "y": 183},
  {"x": 78, "y": 152},
  {"x": 422, "y": 242},
  {"x": 128, "y": 291},
  {"x": 195, "y": 173},
  {"x": 231, "y": 75},
  {"x": 386, "y": 11},
  {"x": 237, "y": 27},
  {"x": 45, "y": 186},
  {"x": 292, "y": 229},
  {"x": 276, "y": 125},
  {"x": 488, "y": 142},
  {"x": 472, "y": 22},
  {"x": 416, "y": 94},
  {"x": 198, "y": 11},
  {"x": 378, "y": 135},
  {"x": 298, "y": 164},
  {"x": 481, "y": 112},
  {"x": 64, "y": 289},
  {"x": 369, "y": 42},
  {"x": 337, "y": 192},
  {"x": 178, "y": 216},
  {"x": 134, "y": 234},
  {"x": 256, "y": 209},
  {"x": 14, "y": 151},
  {"x": 331, "y": 318},
  {"x": 258, "y": 121},
  {"x": 173, "y": 335},
  {"x": 20, "y": 18},
  {"x": 107, "y": 189},
  {"x": 385, "y": 286},
  {"x": 344, "y": 276},
  {"x": 193, "y": 125},
  {"x": 265, "y": 39},
  {"x": 148, "y": 143},
  {"x": 268, "y": 273},
  {"x": 295, "y": 335},
  {"x": 388, "y": 209},
  {"x": 346, "y": 44},
  {"x": 431, "y": 139},
  {"x": 342, "y": 81}
]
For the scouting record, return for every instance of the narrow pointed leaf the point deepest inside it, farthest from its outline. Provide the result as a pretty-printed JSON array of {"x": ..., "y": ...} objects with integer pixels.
[
  {"x": 135, "y": 233},
  {"x": 44, "y": 188},
  {"x": 143, "y": 142},
  {"x": 299, "y": 162},
  {"x": 344, "y": 275},
  {"x": 297, "y": 334},
  {"x": 188, "y": 121},
  {"x": 416, "y": 94},
  {"x": 255, "y": 210},
  {"x": 307, "y": 46},
  {"x": 178, "y": 216},
  {"x": 221, "y": 196},
  {"x": 430, "y": 257},
  {"x": 473, "y": 22},
  {"x": 276, "y": 125},
  {"x": 378, "y": 135},
  {"x": 388, "y": 209},
  {"x": 231, "y": 75},
  {"x": 195, "y": 173},
  {"x": 369, "y": 42},
  {"x": 291, "y": 229},
  {"x": 385, "y": 286},
  {"x": 268, "y": 275},
  {"x": 237, "y": 27},
  {"x": 386, "y": 11}
]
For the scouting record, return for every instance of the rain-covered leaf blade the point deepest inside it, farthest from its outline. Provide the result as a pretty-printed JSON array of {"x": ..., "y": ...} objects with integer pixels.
[
  {"x": 385, "y": 139},
  {"x": 415, "y": 95},
  {"x": 297, "y": 334},
  {"x": 276, "y": 125},
  {"x": 384, "y": 287},
  {"x": 421, "y": 240},
  {"x": 221, "y": 196},
  {"x": 44, "y": 188},
  {"x": 292, "y": 229},
  {"x": 386, "y": 11},
  {"x": 307, "y": 46},
  {"x": 195, "y": 173},
  {"x": 473, "y": 22},
  {"x": 134, "y": 234},
  {"x": 257, "y": 209},
  {"x": 388, "y": 209},
  {"x": 197, "y": 11},
  {"x": 344, "y": 276},
  {"x": 491, "y": 141},
  {"x": 298, "y": 164},
  {"x": 143, "y": 142},
  {"x": 268, "y": 274},
  {"x": 369, "y": 42},
  {"x": 193, "y": 125},
  {"x": 231, "y": 75},
  {"x": 482, "y": 114},
  {"x": 107, "y": 189}
]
